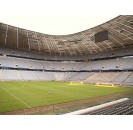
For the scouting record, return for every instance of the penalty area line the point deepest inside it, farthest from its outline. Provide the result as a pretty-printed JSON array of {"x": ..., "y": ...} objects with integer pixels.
[{"x": 15, "y": 97}]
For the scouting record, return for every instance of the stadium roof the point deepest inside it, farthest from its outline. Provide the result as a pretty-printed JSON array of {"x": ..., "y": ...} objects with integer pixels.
[{"x": 120, "y": 32}]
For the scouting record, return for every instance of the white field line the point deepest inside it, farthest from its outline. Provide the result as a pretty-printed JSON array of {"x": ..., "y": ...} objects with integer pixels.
[{"x": 15, "y": 97}]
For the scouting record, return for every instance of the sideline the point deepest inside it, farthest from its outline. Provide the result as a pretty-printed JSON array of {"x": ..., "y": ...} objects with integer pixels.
[{"x": 15, "y": 97}]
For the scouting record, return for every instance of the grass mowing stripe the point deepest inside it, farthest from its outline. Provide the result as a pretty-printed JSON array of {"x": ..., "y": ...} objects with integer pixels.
[{"x": 15, "y": 97}]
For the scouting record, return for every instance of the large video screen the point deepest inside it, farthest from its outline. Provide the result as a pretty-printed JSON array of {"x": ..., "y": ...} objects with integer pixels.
[{"x": 101, "y": 36}]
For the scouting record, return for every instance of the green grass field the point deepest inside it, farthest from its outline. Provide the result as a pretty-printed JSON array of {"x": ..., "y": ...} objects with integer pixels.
[{"x": 21, "y": 95}]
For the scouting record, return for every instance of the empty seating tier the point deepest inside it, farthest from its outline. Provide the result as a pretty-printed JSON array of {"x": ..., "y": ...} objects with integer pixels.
[{"x": 124, "y": 108}]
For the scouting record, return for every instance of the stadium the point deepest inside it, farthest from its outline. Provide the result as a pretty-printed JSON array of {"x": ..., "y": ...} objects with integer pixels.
[{"x": 89, "y": 72}]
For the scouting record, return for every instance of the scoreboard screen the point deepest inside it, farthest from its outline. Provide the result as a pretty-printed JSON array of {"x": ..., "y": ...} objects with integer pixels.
[{"x": 101, "y": 36}]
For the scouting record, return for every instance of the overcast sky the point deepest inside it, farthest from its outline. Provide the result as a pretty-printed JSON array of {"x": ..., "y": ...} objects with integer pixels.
[
  {"x": 61, "y": 17},
  {"x": 56, "y": 24}
]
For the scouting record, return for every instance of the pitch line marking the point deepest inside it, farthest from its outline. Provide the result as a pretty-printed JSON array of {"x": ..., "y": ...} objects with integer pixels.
[{"x": 15, "y": 97}]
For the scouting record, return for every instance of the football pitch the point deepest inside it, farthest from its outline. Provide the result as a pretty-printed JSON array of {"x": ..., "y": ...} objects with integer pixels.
[{"x": 22, "y": 95}]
